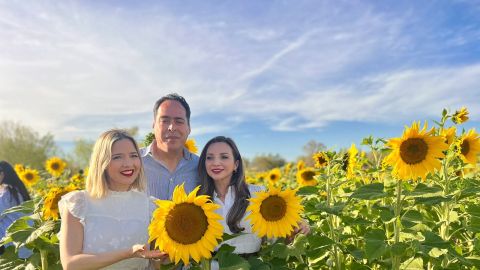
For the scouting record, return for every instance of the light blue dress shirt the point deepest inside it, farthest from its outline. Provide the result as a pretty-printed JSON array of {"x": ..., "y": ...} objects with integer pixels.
[{"x": 161, "y": 182}]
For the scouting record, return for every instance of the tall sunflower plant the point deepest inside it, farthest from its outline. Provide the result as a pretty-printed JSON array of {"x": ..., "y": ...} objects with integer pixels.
[
  {"x": 35, "y": 233},
  {"x": 429, "y": 213}
]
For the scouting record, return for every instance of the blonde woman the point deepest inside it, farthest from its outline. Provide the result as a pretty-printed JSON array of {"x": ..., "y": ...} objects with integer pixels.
[{"x": 105, "y": 226}]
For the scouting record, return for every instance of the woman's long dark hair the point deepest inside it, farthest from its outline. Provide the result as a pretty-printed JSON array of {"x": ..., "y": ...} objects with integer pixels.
[
  {"x": 237, "y": 182},
  {"x": 13, "y": 183}
]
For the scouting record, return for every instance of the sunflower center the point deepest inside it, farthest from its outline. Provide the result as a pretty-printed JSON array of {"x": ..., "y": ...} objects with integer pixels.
[
  {"x": 273, "y": 208},
  {"x": 321, "y": 160},
  {"x": 55, "y": 166},
  {"x": 413, "y": 150},
  {"x": 29, "y": 176},
  {"x": 308, "y": 175},
  {"x": 465, "y": 147},
  {"x": 273, "y": 177},
  {"x": 186, "y": 223}
]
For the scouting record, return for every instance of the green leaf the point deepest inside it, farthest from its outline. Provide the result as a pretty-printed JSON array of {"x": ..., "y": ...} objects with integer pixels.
[
  {"x": 357, "y": 266},
  {"x": 19, "y": 230},
  {"x": 334, "y": 210},
  {"x": 412, "y": 264},
  {"x": 475, "y": 260},
  {"x": 227, "y": 236},
  {"x": 434, "y": 241},
  {"x": 48, "y": 226},
  {"x": 316, "y": 241},
  {"x": 26, "y": 207},
  {"x": 387, "y": 215},
  {"x": 411, "y": 218},
  {"x": 474, "y": 212},
  {"x": 432, "y": 200},
  {"x": 280, "y": 250},
  {"x": 307, "y": 190},
  {"x": 257, "y": 264},
  {"x": 422, "y": 190},
  {"x": 297, "y": 249},
  {"x": 399, "y": 249},
  {"x": 375, "y": 245},
  {"x": 468, "y": 192},
  {"x": 437, "y": 252},
  {"x": 369, "y": 192},
  {"x": 231, "y": 261}
]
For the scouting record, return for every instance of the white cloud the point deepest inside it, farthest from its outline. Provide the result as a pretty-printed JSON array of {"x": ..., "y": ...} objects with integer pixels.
[{"x": 76, "y": 69}]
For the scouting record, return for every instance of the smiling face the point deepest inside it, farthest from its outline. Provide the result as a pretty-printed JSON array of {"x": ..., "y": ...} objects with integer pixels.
[
  {"x": 220, "y": 162},
  {"x": 171, "y": 126},
  {"x": 124, "y": 166}
]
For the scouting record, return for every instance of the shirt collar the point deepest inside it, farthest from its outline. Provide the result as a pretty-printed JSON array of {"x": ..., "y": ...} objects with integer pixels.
[{"x": 187, "y": 155}]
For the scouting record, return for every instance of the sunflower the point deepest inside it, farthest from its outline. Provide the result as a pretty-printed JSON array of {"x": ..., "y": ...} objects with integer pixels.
[
  {"x": 321, "y": 159},
  {"x": 50, "y": 203},
  {"x": 78, "y": 180},
  {"x": 19, "y": 168},
  {"x": 416, "y": 153},
  {"x": 306, "y": 177},
  {"x": 191, "y": 146},
  {"x": 460, "y": 116},
  {"x": 261, "y": 176},
  {"x": 55, "y": 166},
  {"x": 469, "y": 147},
  {"x": 251, "y": 180},
  {"x": 300, "y": 164},
  {"x": 186, "y": 227},
  {"x": 29, "y": 177},
  {"x": 352, "y": 161},
  {"x": 449, "y": 134},
  {"x": 274, "y": 175},
  {"x": 274, "y": 213}
]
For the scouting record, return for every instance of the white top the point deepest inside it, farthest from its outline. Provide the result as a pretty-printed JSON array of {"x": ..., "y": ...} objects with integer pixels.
[
  {"x": 115, "y": 222},
  {"x": 248, "y": 242}
]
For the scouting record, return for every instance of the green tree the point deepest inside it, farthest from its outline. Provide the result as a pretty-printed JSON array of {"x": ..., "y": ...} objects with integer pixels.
[
  {"x": 309, "y": 149},
  {"x": 21, "y": 144},
  {"x": 80, "y": 156},
  {"x": 266, "y": 162}
]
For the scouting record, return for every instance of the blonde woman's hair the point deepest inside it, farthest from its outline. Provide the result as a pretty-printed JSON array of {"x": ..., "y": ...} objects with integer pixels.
[{"x": 97, "y": 178}]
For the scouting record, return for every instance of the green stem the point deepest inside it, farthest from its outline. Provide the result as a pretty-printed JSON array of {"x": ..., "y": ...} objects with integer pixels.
[
  {"x": 205, "y": 264},
  {"x": 43, "y": 259},
  {"x": 445, "y": 227},
  {"x": 331, "y": 221},
  {"x": 397, "y": 224}
]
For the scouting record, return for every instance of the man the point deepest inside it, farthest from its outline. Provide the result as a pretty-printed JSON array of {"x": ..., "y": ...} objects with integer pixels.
[{"x": 166, "y": 161}]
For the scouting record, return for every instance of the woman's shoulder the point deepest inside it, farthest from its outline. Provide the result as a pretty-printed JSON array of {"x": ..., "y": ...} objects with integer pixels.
[
  {"x": 74, "y": 202},
  {"x": 75, "y": 194}
]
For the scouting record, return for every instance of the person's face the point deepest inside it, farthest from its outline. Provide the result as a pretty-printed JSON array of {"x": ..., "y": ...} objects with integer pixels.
[
  {"x": 220, "y": 162},
  {"x": 124, "y": 166},
  {"x": 171, "y": 127}
]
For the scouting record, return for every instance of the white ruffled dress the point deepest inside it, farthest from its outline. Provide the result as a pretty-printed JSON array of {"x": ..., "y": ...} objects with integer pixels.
[{"x": 115, "y": 222}]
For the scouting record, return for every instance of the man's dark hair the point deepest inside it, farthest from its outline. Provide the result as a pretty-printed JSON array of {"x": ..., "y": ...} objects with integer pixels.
[{"x": 176, "y": 97}]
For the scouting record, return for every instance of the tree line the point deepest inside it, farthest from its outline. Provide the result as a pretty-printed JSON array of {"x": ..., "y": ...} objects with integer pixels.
[{"x": 20, "y": 144}]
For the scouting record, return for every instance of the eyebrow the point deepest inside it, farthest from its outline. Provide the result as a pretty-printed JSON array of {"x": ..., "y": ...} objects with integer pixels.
[
  {"x": 116, "y": 154},
  {"x": 169, "y": 117}
]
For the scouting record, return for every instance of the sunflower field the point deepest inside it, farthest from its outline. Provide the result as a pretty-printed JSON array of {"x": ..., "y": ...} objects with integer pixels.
[{"x": 410, "y": 202}]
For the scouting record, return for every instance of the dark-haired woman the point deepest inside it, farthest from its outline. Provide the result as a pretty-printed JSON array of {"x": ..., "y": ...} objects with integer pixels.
[
  {"x": 12, "y": 193},
  {"x": 221, "y": 175}
]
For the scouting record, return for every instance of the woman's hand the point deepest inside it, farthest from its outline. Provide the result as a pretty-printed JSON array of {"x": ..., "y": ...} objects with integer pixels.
[
  {"x": 141, "y": 251},
  {"x": 302, "y": 228}
]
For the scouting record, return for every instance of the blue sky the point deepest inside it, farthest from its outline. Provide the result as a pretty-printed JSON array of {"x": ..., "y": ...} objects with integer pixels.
[{"x": 271, "y": 74}]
